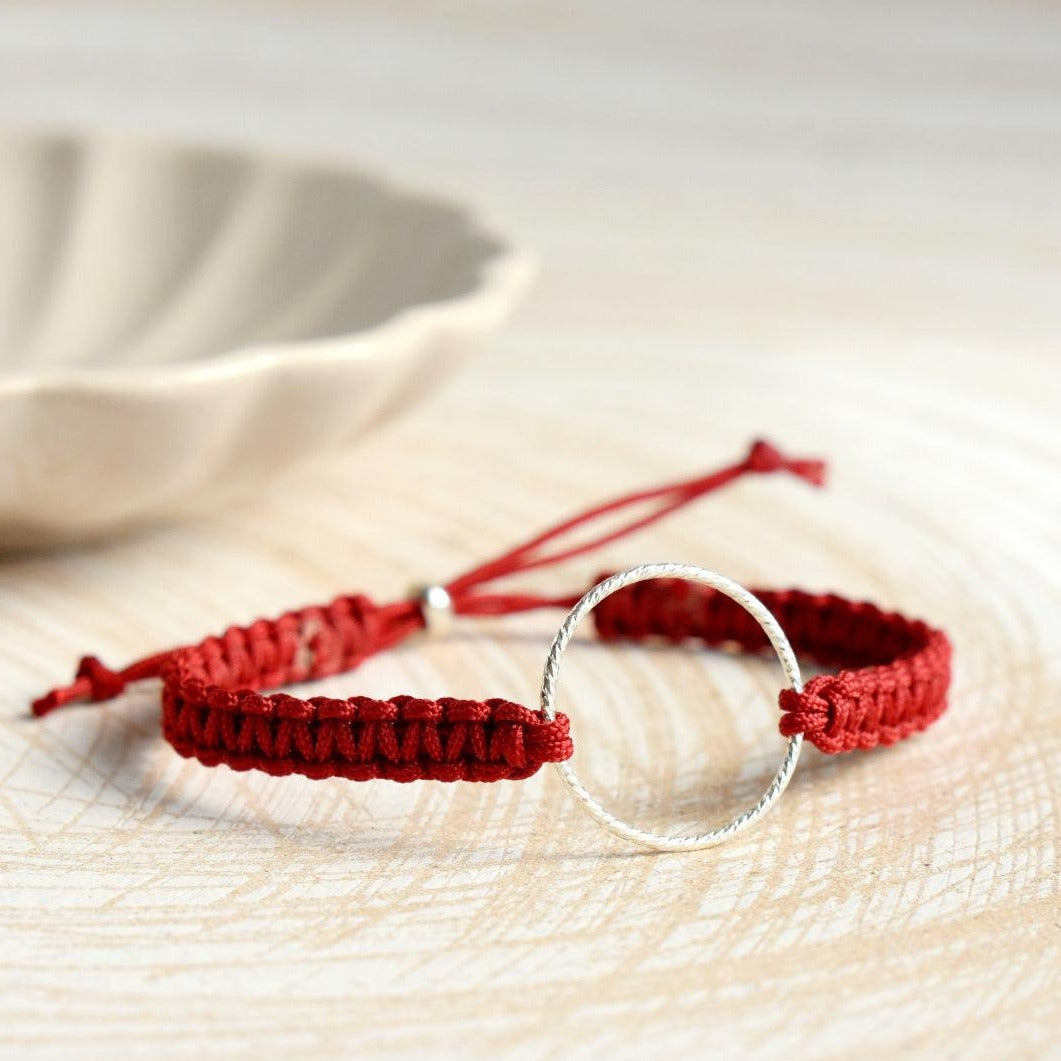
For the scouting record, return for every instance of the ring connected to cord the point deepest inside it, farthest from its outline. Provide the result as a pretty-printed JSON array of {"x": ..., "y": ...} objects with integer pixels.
[{"x": 785, "y": 655}]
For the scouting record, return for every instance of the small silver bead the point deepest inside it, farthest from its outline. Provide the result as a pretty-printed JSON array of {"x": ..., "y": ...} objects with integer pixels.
[{"x": 436, "y": 606}]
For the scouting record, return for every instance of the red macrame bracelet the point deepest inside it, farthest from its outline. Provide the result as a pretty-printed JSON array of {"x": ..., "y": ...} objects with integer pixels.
[{"x": 893, "y": 679}]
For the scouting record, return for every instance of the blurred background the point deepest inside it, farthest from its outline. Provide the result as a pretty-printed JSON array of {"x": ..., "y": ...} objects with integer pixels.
[
  {"x": 859, "y": 202},
  {"x": 876, "y": 182}
]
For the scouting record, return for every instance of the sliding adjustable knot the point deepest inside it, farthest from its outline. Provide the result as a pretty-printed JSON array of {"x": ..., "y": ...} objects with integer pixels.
[{"x": 765, "y": 458}]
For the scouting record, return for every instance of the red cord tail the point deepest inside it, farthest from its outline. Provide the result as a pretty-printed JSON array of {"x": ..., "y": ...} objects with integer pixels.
[
  {"x": 95, "y": 682},
  {"x": 762, "y": 458}
]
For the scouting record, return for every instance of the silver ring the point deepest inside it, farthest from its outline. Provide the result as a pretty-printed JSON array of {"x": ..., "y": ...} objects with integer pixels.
[{"x": 785, "y": 655}]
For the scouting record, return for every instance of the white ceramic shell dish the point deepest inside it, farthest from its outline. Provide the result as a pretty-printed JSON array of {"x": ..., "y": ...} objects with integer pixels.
[{"x": 177, "y": 322}]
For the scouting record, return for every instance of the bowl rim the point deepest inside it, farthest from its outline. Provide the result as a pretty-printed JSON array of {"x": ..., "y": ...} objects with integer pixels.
[{"x": 498, "y": 281}]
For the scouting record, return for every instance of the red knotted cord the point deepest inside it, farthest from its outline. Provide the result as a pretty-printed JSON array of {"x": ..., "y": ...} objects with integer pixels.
[{"x": 213, "y": 709}]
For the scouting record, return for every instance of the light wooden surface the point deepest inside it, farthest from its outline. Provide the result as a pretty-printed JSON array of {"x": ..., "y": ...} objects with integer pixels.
[{"x": 837, "y": 226}]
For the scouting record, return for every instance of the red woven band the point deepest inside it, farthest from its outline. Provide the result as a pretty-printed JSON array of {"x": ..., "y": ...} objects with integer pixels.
[
  {"x": 895, "y": 679},
  {"x": 895, "y": 671},
  {"x": 211, "y": 708}
]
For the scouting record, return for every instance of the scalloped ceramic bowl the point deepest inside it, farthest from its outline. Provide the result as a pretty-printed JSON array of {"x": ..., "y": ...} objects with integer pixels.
[{"x": 177, "y": 323}]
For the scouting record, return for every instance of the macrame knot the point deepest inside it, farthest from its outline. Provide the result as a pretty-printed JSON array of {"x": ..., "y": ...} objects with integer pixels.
[
  {"x": 765, "y": 458},
  {"x": 94, "y": 681},
  {"x": 831, "y": 714},
  {"x": 103, "y": 683},
  {"x": 806, "y": 712}
]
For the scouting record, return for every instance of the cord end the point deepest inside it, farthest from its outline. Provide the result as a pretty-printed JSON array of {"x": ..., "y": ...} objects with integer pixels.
[
  {"x": 764, "y": 457},
  {"x": 93, "y": 683}
]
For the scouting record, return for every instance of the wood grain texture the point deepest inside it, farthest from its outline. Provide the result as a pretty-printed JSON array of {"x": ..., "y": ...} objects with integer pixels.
[{"x": 837, "y": 226}]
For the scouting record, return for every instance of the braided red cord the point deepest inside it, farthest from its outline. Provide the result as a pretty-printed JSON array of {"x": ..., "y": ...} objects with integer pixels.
[
  {"x": 213, "y": 708},
  {"x": 896, "y": 670}
]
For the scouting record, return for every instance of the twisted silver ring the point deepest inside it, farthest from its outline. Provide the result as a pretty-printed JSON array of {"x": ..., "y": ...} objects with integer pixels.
[{"x": 785, "y": 655}]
